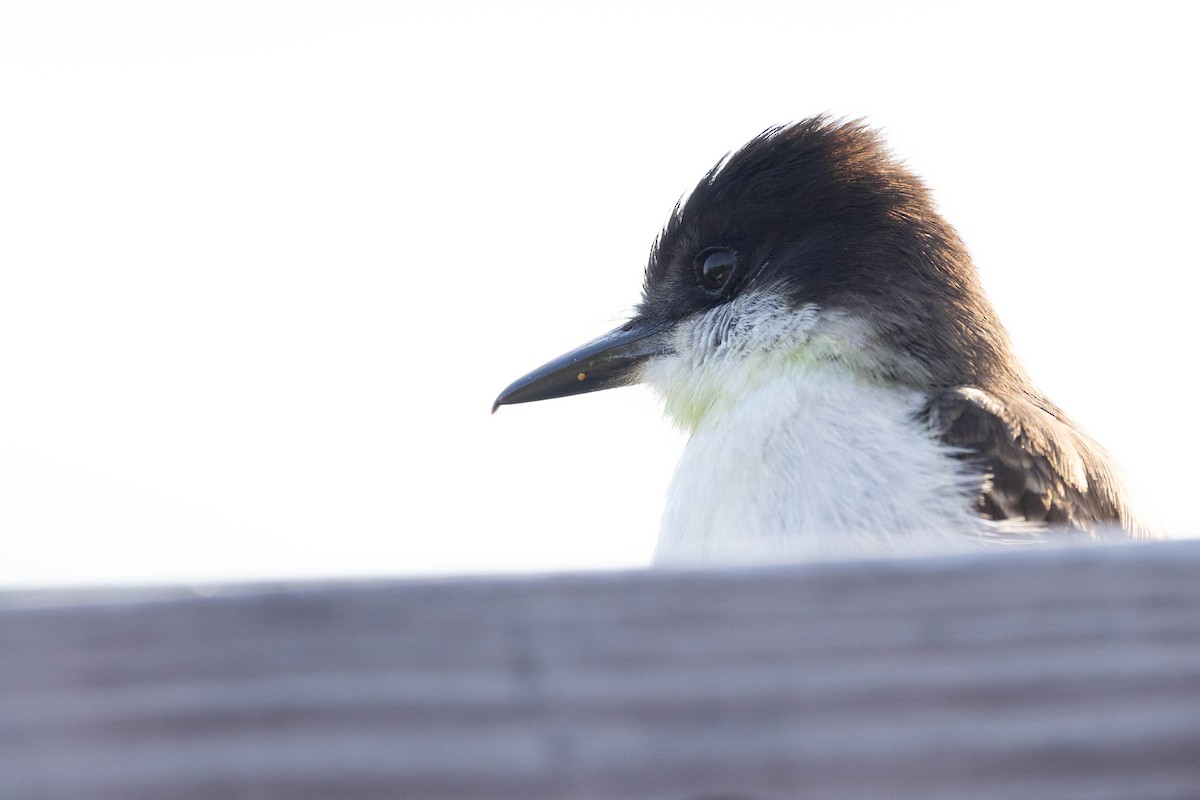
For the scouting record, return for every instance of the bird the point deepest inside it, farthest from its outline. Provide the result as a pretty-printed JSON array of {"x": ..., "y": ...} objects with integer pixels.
[{"x": 821, "y": 333}]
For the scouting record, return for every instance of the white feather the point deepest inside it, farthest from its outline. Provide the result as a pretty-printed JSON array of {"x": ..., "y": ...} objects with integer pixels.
[{"x": 797, "y": 452}]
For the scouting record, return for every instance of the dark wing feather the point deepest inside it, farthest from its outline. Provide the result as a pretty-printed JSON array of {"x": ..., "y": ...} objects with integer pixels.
[{"x": 1035, "y": 465}]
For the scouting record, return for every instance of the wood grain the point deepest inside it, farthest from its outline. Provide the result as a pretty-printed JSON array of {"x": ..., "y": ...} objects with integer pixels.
[{"x": 1067, "y": 673}]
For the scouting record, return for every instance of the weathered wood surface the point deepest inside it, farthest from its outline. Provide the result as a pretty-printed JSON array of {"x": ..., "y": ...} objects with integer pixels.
[{"x": 1035, "y": 674}]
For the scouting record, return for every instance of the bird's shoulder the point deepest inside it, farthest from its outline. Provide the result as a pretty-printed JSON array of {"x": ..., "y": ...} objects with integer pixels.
[{"x": 1036, "y": 466}]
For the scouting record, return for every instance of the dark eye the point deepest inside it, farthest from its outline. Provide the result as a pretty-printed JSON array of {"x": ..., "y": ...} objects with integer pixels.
[{"x": 714, "y": 268}]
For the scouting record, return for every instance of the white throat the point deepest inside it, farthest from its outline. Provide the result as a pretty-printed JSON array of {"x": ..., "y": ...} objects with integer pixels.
[{"x": 795, "y": 455}]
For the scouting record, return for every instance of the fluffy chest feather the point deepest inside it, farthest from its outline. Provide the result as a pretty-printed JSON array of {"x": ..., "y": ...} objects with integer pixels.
[
  {"x": 794, "y": 455},
  {"x": 814, "y": 467}
]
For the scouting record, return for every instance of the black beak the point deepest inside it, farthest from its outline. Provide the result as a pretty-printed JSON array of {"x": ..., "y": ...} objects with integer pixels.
[{"x": 602, "y": 363}]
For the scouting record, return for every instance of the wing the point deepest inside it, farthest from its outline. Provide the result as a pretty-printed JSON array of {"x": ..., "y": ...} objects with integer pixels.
[{"x": 1035, "y": 465}]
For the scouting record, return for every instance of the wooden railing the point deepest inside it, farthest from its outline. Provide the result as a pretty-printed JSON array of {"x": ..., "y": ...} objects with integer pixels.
[{"x": 1071, "y": 673}]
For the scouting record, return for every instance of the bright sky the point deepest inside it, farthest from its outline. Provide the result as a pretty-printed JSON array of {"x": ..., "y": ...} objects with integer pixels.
[{"x": 265, "y": 265}]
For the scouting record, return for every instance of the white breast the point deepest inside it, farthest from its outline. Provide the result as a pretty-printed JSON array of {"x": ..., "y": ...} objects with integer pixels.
[
  {"x": 795, "y": 455},
  {"x": 815, "y": 466}
]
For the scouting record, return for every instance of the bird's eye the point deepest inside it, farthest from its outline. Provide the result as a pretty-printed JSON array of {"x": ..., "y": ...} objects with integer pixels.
[{"x": 714, "y": 268}]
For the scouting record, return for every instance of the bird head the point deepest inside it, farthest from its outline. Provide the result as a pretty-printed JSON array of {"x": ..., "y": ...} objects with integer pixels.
[{"x": 809, "y": 245}]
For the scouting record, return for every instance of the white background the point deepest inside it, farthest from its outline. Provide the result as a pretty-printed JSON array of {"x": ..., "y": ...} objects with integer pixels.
[{"x": 265, "y": 265}]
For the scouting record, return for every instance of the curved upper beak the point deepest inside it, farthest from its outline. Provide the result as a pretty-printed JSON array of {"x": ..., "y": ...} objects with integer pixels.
[{"x": 603, "y": 363}]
